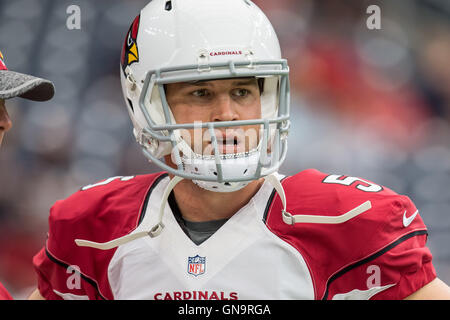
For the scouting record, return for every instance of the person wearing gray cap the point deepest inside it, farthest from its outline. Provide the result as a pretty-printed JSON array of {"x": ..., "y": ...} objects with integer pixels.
[{"x": 15, "y": 84}]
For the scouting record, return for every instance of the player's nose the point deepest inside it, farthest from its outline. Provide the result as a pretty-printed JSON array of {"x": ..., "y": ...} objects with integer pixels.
[
  {"x": 224, "y": 109},
  {"x": 5, "y": 120}
]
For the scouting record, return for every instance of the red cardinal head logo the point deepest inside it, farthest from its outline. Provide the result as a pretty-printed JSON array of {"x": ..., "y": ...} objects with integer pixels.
[{"x": 130, "y": 53}]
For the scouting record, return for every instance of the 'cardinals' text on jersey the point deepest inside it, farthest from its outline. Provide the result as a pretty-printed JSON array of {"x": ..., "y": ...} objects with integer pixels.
[{"x": 378, "y": 254}]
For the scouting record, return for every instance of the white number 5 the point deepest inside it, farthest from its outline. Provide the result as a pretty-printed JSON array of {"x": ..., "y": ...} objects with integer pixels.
[
  {"x": 361, "y": 184},
  {"x": 107, "y": 181}
]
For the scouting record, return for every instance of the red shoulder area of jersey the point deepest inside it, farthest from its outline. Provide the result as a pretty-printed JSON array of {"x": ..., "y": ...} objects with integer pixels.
[
  {"x": 102, "y": 210},
  {"x": 99, "y": 212},
  {"x": 329, "y": 248},
  {"x": 4, "y": 295}
]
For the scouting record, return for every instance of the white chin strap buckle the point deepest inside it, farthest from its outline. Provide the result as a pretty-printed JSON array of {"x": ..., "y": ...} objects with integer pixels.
[
  {"x": 287, "y": 217},
  {"x": 156, "y": 230}
]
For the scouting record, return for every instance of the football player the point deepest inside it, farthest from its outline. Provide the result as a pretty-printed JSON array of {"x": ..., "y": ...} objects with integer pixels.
[
  {"x": 14, "y": 84},
  {"x": 208, "y": 95}
]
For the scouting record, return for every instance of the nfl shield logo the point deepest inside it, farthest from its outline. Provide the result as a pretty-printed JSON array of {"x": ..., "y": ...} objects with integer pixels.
[{"x": 196, "y": 265}]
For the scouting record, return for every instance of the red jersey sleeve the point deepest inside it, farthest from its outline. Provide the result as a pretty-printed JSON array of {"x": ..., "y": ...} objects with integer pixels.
[
  {"x": 99, "y": 212},
  {"x": 400, "y": 265},
  {"x": 396, "y": 271},
  {"x": 58, "y": 280}
]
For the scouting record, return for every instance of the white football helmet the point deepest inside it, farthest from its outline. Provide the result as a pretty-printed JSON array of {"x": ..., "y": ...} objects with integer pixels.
[{"x": 192, "y": 40}]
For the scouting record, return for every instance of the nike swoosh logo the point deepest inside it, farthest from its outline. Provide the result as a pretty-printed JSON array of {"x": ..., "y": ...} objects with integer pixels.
[
  {"x": 407, "y": 220},
  {"x": 361, "y": 294}
]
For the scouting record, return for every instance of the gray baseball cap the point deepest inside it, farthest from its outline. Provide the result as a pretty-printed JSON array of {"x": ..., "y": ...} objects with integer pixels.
[{"x": 15, "y": 84}]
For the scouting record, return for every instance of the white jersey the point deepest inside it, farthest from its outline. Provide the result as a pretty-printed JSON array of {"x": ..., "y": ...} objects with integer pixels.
[{"x": 254, "y": 255}]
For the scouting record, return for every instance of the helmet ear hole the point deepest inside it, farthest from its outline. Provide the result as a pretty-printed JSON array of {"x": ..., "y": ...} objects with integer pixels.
[{"x": 168, "y": 6}]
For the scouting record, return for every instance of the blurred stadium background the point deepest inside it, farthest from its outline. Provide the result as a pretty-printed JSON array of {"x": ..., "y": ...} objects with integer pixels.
[{"x": 368, "y": 103}]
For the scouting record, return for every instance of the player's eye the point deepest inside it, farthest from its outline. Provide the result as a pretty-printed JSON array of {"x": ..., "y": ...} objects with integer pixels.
[
  {"x": 241, "y": 92},
  {"x": 200, "y": 93}
]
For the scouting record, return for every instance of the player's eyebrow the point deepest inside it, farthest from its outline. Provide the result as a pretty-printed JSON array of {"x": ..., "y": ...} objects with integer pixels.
[{"x": 202, "y": 83}]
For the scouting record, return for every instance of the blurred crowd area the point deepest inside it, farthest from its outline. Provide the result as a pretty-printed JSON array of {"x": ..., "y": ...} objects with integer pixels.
[{"x": 368, "y": 103}]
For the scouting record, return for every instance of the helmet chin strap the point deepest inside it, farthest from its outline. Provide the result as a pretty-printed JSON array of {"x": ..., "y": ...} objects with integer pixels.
[{"x": 272, "y": 179}]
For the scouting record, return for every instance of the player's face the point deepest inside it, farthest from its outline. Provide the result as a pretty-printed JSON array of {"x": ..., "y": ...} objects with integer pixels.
[
  {"x": 5, "y": 121},
  {"x": 213, "y": 101}
]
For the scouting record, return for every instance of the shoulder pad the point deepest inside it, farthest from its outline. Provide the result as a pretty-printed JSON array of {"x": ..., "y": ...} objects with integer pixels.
[
  {"x": 330, "y": 247},
  {"x": 102, "y": 211}
]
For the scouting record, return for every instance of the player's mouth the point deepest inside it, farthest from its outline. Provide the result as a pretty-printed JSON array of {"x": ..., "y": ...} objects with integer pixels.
[
  {"x": 231, "y": 144},
  {"x": 229, "y": 141}
]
